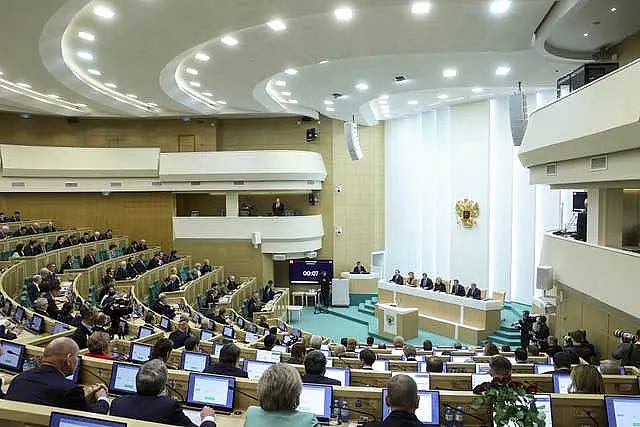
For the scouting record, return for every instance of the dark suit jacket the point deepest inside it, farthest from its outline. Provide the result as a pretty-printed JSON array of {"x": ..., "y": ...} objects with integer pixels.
[
  {"x": 278, "y": 210},
  {"x": 29, "y": 250},
  {"x": 80, "y": 335},
  {"x": 155, "y": 409},
  {"x": 319, "y": 379},
  {"x": 397, "y": 419},
  {"x": 48, "y": 229},
  {"x": 229, "y": 371},
  {"x": 458, "y": 290},
  {"x": 48, "y": 386},
  {"x": 440, "y": 287},
  {"x": 88, "y": 261},
  {"x": 359, "y": 270},
  {"x": 140, "y": 267},
  {"x": 397, "y": 279},
  {"x": 475, "y": 294},
  {"x": 153, "y": 264},
  {"x": 121, "y": 274},
  {"x": 178, "y": 338},
  {"x": 57, "y": 245},
  {"x": 52, "y": 308},
  {"x": 426, "y": 283},
  {"x": 33, "y": 291},
  {"x": 164, "y": 310},
  {"x": 65, "y": 266}
]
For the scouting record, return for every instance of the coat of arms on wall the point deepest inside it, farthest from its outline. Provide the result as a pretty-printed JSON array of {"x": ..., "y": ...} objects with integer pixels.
[{"x": 467, "y": 211}]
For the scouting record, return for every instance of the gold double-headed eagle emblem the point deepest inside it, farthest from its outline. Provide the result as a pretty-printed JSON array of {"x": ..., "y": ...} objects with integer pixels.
[{"x": 467, "y": 211}]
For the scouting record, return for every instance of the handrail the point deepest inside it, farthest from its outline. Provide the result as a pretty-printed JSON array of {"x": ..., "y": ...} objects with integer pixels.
[
  {"x": 142, "y": 282},
  {"x": 11, "y": 242}
]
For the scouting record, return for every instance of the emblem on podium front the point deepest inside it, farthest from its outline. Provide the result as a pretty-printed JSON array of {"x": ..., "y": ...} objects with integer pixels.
[{"x": 467, "y": 211}]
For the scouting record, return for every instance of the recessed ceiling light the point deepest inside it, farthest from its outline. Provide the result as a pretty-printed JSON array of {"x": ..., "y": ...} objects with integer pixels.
[
  {"x": 111, "y": 85},
  {"x": 104, "y": 12},
  {"x": 85, "y": 55},
  {"x": 500, "y": 6},
  {"x": 152, "y": 104},
  {"x": 24, "y": 85},
  {"x": 277, "y": 25},
  {"x": 293, "y": 101},
  {"x": 53, "y": 96},
  {"x": 132, "y": 96},
  {"x": 291, "y": 71},
  {"x": 223, "y": 102},
  {"x": 383, "y": 97},
  {"x": 383, "y": 102},
  {"x": 502, "y": 71},
  {"x": 323, "y": 62},
  {"x": 330, "y": 109},
  {"x": 420, "y": 7},
  {"x": 477, "y": 90},
  {"x": 200, "y": 56},
  {"x": 443, "y": 96},
  {"x": 362, "y": 86},
  {"x": 285, "y": 93},
  {"x": 343, "y": 14},
  {"x": 209, "y": 94},
  {"x": 229, "y": 41},
  {"x": 450, "y": 73},
  {"x": 80, "y": 105},
  {"x": 94, "y": 72},
  {"x": 191, "y": 71},
  {"x": 281, "y": 83},
  {"x": 328, "y": 102},
  {"x": 586, "y": 34},
  {"x": 194, "y": 84},
  {"x": 413, "y": 102},
  {"x": 86, "y": 36},
  {"x": 613, "y": 9}
]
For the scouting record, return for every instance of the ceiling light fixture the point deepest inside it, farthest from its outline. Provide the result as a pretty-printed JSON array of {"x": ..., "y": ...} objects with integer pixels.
[
  {"x": 222, "y": 102},
  {"x": 383, "y": 97},
  {"x": 443, "y": 96},
  {"x": 325, "y": 61},
  {"x": 94, "y": 72},
  {"x": 343, "y": 14},
  {"x": 613, "y": 9},
  {"x": 499, "y": 7},
  {"x": 194, "y": 84},
  {"x": 502, "y": 71},
  {"x": 53, "y": 96},
  {"x": 86, "y": 36},
  {"x": 277, "y": 25},
  {"x": 413, "y": 102},
  {"x": 24, "y": 85},
  {"x": 111, "y": 85},
  {"x": 383, "y": 102},
  {"x": 362, "y": 87},
  {"x": 293, "y": 101},
  {"x": 291, "y": 71},
  {"x": 152, "y": 104},
  {"x": 420, "y": 7},
  {"x": 477, "y": 90},
  {"x": 81, "y": 105},
  {"x": 229, "y": 40},
  {"x": 85, "y": 55},
  {"x": 208, "y": 94},
  {"x": 132, "y": 96},
  {"x": 104, "y": 12},
  {"x": 586, "y": 34},
  {"x": 203, "y": 57},
  {"x": 191, "y": 71},
  {"x": 328, "y": 102},
  {"x": 450, "y": 73},
  {"x": 285, "y": 93},
  {"x": 330, "y": 109},
  {"x": 281, "y": 83}
]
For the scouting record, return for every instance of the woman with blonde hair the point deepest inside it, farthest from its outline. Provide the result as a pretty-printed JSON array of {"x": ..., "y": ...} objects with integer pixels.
[
  {"x": 585, "y": 379},
  {"x": 279, "y": 391}
]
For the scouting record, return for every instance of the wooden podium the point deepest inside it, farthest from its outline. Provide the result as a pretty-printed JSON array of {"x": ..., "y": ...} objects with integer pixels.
[{"x": 393, "y": 321}]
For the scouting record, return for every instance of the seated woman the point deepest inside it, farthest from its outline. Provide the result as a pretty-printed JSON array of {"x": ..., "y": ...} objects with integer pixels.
[
  {"x": 279, "y": 391},
  {"x": 172, "y": 283},
  {"x": 206, "y": 267},
  {"x": 66, "y": 313},
  {"x": 411, "y": 280},
  {"x": 490, "y": 349},
  {"x": 585, "y": 379},
  {"x": 98, "y": 344},
  {"x": 439, "y": 286},
  {"x": 40, "y": 306},
  {"x": 262, "y": 322}
]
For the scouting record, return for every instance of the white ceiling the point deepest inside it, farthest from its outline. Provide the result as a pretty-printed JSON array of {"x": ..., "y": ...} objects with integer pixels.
[{"x": 146, "y": 47}]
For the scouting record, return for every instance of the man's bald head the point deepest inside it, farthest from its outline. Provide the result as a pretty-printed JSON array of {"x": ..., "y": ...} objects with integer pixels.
[
  {"x": 402, "y": 394},
  {"x": 62, "y": 353}
]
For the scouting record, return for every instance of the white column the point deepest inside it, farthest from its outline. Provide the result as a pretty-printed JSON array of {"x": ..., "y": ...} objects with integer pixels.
[{"x": 232, "y": 203}]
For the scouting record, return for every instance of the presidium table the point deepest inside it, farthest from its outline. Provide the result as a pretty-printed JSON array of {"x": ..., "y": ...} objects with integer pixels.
[{"x": 463, "y": 319}]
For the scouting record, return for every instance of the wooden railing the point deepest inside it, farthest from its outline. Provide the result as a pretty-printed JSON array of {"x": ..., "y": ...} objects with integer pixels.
[
  {"x": 10, "y": 243},
  {"x": 142, "y": 283},
  {"x": 15, "y": 226},
  {"x": 197, "y": 287}
]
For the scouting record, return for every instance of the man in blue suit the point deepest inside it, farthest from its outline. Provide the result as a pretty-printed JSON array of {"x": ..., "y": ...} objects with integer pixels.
[
  {"x": 474, "y": 292},
  {"x": 227, "y": 363},
  {"x": 47, "y": 385},
  {"x": 315, "y": 366},
  {"x": 150, "y": 403}
]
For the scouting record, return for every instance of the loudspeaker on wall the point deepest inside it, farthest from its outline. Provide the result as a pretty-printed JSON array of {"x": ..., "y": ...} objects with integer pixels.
[{"x": 544, "y": 277}]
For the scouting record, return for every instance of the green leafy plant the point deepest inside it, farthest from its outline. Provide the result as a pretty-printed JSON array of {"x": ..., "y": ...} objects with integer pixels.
[{"x": 511, "y": 403}]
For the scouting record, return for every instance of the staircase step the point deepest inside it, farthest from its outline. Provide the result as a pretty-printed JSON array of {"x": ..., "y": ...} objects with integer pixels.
[
  {"x": 374, "y": 300},
  {"x": 370, "y": 306},
  {"x": 507, "y": 334}
]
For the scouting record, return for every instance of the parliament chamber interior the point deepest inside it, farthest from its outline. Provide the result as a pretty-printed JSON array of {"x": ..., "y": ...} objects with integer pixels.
[{"x": 283, "y": 213}]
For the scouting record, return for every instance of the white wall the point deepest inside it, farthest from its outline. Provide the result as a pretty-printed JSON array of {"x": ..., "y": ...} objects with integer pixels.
[{"x": 435, "y": 159}]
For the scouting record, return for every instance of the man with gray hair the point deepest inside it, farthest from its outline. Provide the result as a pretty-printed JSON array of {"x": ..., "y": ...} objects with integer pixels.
[
  {"x": 403, "y": 400},
  {"x": 315, "y": 366},
  {"x": 315, "y": 342},
  {"x": 150, "y": 403}
]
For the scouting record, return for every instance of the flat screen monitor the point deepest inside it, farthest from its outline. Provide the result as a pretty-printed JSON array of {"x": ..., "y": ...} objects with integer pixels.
[
  {"x": 282, "y": 326},
  {"x": 123, "y": 378},
  {"x": 280, "y": 349},
  {"x": 250, "y": 337},
  {"x": 123, "y": 327},
  {"x": 37, "y": 323},
  {"x": 286, "y": 339},
  {"x": 76, "y": 373},
  {"x": 196, "y": 318},
  {"x": 211, "y": 390},
  {"x": 317, "y": 400},
  {"x": 194, "y": 362},
  {"x": 212, "y": 325},
  {"x": 59, "y": 328},
  {"x": 228, "y": 332},
  {"x": 1, "y": 299},
  {"x": 422, "y": 367},
  {"x": 621, "y": 370},
  {"x": 477, "y": 379},
  {"x": 139, "y": 352},
  {"x": 380, "y": 365},
  {"x": 303, "y": 271},
  {"x": 216, "y": 349},
  {"x": 622, "y": 411},
  {"x": 296, "y": 332},
  {"x": 252, "y": 327},
  {"x": 266, "y": 332},
  {"x": 267, "y": 356},
  {"x": 144, "y": 331},
  {"x": 542, "y": 369},
  {"x": 461, "y": 359},
  {"x": 6, "y": 308},
  {"x": 240, "y": 322},
  {"x": 66, "y": 420},
  {"x": 428, "y": 411},
  {"x": 206, "y": 335},
  {"x": 329, "y": 363},
  {"x": 561, "y": 383},
  {"x": 423, "y": 381},
  {"x": 18, "y": 315},
  {"x": 397, "y": 352},
  {"x": 341, "y": 374},
  {"x": 12, "y": 356},
  {"x": 419, "y": 357},
  {"x": 482, "y": 368},
  {"x": 255, "y": 368},
  {"x": 327, "y": 353},
  {"x": 165, "y": 323},
  {"x": 543, "y": 403}
]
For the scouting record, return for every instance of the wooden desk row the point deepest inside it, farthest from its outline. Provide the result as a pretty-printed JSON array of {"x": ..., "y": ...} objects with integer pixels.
[
  {"x": 10, "y": 243},
  {"x": 142, "y": 283}
]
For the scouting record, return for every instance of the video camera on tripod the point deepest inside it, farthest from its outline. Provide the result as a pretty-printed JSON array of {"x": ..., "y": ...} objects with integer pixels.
[{"x": 626, "y": 337}]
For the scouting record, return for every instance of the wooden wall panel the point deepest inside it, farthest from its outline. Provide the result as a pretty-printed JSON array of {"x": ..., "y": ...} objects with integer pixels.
[{"x": 208, "y": 205}]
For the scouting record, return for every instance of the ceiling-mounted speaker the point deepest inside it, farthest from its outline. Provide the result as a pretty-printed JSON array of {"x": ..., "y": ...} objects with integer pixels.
[
  {"x": 518, "y": 117},
  {"x": 352, "y": 140}
]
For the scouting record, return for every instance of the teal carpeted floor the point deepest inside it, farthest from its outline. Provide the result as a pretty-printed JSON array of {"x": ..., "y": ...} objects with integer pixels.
[{"x": 354, "y": 322}]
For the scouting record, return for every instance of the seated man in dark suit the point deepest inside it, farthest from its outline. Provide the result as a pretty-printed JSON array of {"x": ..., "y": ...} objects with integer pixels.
[
  {"x": 84, "y": 327},
  {"x": 142, "y": 246},
  {"x": 139, "y": 265},
  {"x": 33, "y": 288},
  {"x": 220, "y": 317},
  {"x": 17, "y": 216},
  {"x": 359, "y": 269},
  {"x": 298, "y": 353},
  {"x": 403, "y": 399},
  {"x": 156, "y": 261},
  {"x": 397, "y": 278},
  {"x": 227, "y": 363},
  {"x": 4, "y": 232},
  {"x": 52, "y": 308},
  {"x": 58, "y": 244},
  {"x": 48, "y": 386},
  {"x": 180, "y": 335},
  {"x": 474, "y": 292},
  {"x": 85, "y": 238},
  {"x": 163, "y": 308},
  {"x": 131, "y": 268},
  {"x": 30, "y": 249},
  {"x": 315, "y": 366},
  {"x": 231, "y": 283},
  {"x": 95, "y": 237},
  {"x": 89, "y": 259},
  {"x": 253, "y": 305},
  {"x": 457, "y": 289},
  {"x": 67, "y": 264},
  {"x": 121, "y": 272},
  {"x": 426, "y": 282},
  {"x": 50, "y": 228},
  {"x": 150, "y": 403},
  {"x": 267, "y": 292},
  {"x": 21, "y": 232},
  {"x": 34, "y": 228}
]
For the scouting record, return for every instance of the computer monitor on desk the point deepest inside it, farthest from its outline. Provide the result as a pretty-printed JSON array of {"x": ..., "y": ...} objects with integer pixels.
[
  {"x": 206, "y": 334},
  {"x": 317, "y": 400},
  {"x": 12, "y": 356},
  {"x": 622, "y": 411},
  {"x": 18, "y": 315},
  {"x": 139, "y": 353},
  {"x": 543, "y": 403},
  {"x": 66, "y": 420},
  {"x": 194, "y": 362},
  {"x": 250, "y": 337},
  {"x": 255, "y": 369},
  {"x": 228, "y": 332},
  {"x": 477, "y": 379},
  {"x": 428, "y": 411},
  {"x": 543, "y": 369},
  {"x": 561, "y": 383},
  {"x": 216, "y": 349},
  {"x": 59, "y": 328},
  {"x": 144, "y": 331},
  {"x": 123, "y": 378},
  {"x": 165, "y": 323},
  {"x": 36, "y": 324},
  {"x": 341, "y": 374},
  {"x": 380, "y": 365},
  {"x": 423, "y": 381},
  {"x": 211, "y": 390}
]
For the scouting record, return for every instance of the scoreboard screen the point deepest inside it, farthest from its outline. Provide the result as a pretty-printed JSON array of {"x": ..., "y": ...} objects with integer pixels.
[{"x": 308, "y": 271}]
